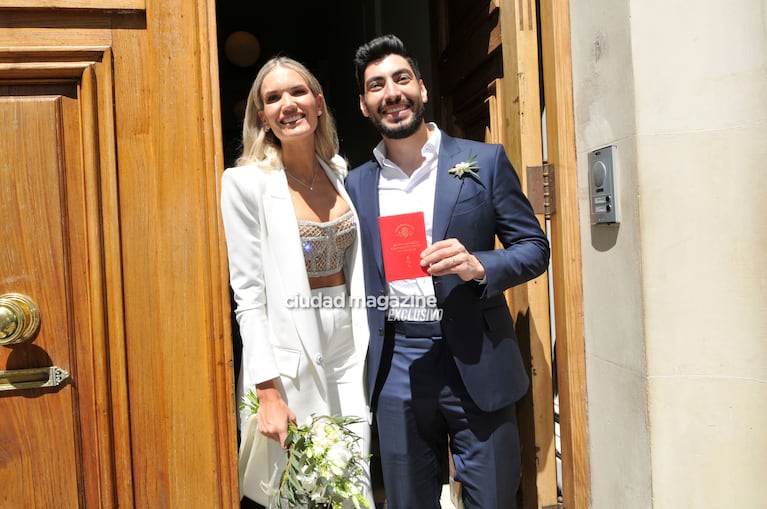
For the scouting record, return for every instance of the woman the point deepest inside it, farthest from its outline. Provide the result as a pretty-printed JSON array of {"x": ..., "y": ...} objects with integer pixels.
[{"x": 295, "y": 261}]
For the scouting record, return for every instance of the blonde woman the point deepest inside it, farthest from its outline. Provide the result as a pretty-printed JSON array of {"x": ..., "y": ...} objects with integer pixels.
[{"x": 295, "y": 267}]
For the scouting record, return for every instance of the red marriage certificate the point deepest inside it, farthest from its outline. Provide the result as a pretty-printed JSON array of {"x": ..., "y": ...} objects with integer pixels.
[{"x": 403, "y": 237}]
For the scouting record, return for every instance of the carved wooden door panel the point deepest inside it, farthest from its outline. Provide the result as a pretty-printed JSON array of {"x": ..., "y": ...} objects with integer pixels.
[{"x": 56, "y": 440}]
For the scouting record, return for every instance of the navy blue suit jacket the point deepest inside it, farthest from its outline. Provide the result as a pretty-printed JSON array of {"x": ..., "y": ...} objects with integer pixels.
[{"x": 476, "y": 321}]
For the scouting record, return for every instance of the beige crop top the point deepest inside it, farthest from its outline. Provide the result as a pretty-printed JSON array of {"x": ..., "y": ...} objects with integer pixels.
[{"x": 325, "y": 244}]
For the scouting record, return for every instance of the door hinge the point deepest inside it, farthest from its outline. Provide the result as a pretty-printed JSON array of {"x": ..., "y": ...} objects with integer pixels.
[{"x": 541, "y": 189}]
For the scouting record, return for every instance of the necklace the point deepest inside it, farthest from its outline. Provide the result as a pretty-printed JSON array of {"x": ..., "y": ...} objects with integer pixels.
[{"x": 310, "y": 187}]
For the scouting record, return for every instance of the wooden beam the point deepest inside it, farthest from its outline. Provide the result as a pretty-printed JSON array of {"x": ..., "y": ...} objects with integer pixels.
[
  {"x": 566, "y": 254},
  {"x": 519, "y": 100}
]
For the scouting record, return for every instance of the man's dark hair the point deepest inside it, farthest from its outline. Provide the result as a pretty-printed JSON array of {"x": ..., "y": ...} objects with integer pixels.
[{"x": 378, "y": 49}]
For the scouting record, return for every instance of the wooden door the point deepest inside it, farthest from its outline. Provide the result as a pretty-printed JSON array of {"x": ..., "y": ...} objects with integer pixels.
[
  {"x": 45, "y": 254},
  {"x": 490, "y": 89},
  {"x": 109, "y": 170}
]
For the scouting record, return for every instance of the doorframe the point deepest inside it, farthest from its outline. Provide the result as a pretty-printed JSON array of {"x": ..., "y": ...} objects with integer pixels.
[
  {"x": 556, "y": 55},
  {"x": 524, "y": 45},
  {"x": 223, "y": 370},
  {"x": 519, "y": 93}
]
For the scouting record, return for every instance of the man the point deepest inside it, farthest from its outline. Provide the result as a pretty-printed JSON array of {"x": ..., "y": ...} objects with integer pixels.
[{"x": 459, "y": 376}]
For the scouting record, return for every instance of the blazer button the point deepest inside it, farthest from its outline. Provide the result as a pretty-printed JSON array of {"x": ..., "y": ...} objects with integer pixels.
[{"x": 318, "y": 359}]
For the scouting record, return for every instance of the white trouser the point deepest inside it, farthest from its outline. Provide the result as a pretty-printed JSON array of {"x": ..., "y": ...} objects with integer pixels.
[
  {"x": 262, "y": 459},
  {"x": 346, "y": 393}
]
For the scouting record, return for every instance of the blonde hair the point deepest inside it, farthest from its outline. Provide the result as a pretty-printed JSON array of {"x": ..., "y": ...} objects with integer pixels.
[{"x": 262, "y": 147}]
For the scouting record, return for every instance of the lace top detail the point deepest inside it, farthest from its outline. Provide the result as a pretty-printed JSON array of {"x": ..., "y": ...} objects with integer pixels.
[{"x": 325, "y": 244}]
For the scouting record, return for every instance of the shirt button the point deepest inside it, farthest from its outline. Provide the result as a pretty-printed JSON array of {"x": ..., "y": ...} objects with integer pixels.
[{"x": 318, "y": 359}]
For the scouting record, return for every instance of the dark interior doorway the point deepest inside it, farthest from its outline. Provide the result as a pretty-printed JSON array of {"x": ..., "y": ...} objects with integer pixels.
[{"x": 322, "y": 35}]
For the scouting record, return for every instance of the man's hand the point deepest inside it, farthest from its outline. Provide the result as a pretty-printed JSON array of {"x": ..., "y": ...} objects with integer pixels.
[{"x": 449, "y": 256}]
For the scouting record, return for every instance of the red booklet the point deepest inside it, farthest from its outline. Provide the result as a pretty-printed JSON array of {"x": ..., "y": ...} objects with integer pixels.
[{"x": 403, "y": 237}]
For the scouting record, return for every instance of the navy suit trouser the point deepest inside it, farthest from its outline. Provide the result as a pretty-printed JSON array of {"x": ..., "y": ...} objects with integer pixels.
[{"x": 421, "y": 402}]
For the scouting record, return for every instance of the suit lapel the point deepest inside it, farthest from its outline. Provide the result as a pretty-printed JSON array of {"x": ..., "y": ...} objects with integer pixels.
[
  {"x": 369, "y": 209},
  {"x": 448, "y": 187},
  {"x": 285, "y": 240},
  {"x": 283, "y": 231}
]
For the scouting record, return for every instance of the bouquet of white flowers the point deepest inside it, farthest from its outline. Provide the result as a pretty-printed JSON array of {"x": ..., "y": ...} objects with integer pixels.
[{"x": 325, "y": 464}]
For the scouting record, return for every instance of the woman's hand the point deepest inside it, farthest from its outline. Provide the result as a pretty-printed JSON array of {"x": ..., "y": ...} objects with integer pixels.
[{"x": 273, "y": 413}]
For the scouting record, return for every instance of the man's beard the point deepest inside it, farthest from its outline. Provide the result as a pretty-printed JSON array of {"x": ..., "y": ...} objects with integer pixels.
[{"x": 401, "y": 130}]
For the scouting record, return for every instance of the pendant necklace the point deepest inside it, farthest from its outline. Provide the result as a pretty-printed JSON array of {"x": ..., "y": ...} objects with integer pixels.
[{"x": 310, "y": 187}]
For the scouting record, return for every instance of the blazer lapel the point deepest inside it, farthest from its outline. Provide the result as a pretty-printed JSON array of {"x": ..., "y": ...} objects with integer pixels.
[
  {"x": 283, "y": 231},
  {"x": 448, "y": 187},
  {"x": 369, "y": 213},
  {"x": 285, "y": 239}
]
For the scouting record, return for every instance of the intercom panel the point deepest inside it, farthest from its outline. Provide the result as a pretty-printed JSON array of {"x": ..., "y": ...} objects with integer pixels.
[{"x": 603, "y": 190}]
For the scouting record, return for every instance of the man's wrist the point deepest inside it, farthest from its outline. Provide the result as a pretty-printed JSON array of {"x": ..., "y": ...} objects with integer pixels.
[{"x": 479, "y": 275}]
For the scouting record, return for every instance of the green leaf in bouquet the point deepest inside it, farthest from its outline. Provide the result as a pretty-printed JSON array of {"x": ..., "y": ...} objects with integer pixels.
[
  {"x": 325, "y": 465},
  {"x": 249, "y": 401}
]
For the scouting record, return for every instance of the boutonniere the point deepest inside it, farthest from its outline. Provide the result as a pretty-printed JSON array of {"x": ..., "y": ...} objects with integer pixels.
[{"x": 470, "y": 167}]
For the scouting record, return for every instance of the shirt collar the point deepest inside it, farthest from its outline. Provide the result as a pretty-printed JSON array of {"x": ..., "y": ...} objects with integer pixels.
[{"x": 430, "y": 148}]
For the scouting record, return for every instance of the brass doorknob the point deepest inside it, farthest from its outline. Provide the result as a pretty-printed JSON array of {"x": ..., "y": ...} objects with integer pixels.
[{"x": 19, "y": 318}]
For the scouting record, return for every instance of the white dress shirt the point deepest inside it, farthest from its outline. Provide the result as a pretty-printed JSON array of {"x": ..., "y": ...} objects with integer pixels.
[{"x": 400, "y": 194}]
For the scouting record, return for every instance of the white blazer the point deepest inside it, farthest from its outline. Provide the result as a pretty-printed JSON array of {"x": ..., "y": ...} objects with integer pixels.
[{"x": 267, "y": 274}]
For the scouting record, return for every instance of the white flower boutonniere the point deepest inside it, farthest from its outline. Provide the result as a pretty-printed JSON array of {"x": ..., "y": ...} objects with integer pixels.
[{"x": 469, "y": 167}]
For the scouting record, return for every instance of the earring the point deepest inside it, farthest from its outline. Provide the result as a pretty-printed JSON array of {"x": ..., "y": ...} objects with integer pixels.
[
  {"x": 319, "y": 112},
  {"x": 266, "y": 128}
]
